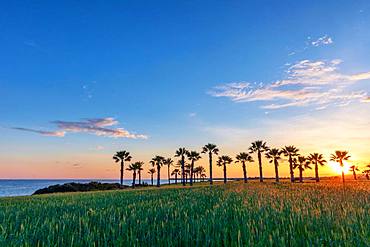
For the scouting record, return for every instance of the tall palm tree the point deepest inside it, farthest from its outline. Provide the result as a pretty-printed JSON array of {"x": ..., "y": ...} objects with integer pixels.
[
  {"x": 210, "y": 149},
  {"x": 203, "y": 176},
  {"x": 192, "y": 156},
  {"x": 274, "y": 156},
  {"x": 223, "y": 161},
  {"x": 259, "y": 147},
  {"x": 158, "y": 161},
  {"x": 122, "y": 156},
  {"x": 168, "y": 162},
  {"x": 302, "y": 164},
  {"x": 317, "y": 159},
  {"x": 339, "y": 157},
  {"x": 151, "y": 172},
  {"x": 176, "y": 172},
  {"x": 291, "y": 152},
  {"x": 243, "y": 158},
  {"x": 181, "y": 152},
  {"x": 353, "y": 169},
  {"x": 133, "y": 167}
]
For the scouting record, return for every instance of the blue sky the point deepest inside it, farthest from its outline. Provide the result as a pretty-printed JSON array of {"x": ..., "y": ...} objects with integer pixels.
[{"x": 178, "y": 73}]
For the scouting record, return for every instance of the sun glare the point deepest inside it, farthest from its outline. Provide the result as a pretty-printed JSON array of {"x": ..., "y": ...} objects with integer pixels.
[{"x": 338, "y": 169}]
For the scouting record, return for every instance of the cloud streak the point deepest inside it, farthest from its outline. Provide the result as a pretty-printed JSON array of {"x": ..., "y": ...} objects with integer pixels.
[
  {"x": 306, "y": 83},
  {"x": 324, "y": 40},
  {"x": 94, "y": 126}
]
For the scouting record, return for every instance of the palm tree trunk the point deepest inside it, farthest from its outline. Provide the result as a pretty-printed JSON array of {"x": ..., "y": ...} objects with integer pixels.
[
  {"x": 168, "y": 174},
  {"x": 210, "y": 169},
  {"x": 183, "y": 169},
  {"x": 139, "y": 177},
  {"x": 317, "y": 172},
  {"x": 276, "y": 170},
  {"x": 191, "y": 172},
  {"x": 152, "y": 178},
  {"x": 121, "y": 172},
  {"x": 343, "y": 177},
  {"x": 176, "y": 178},
  {"x": 158, "y": 175},
  {"x": 354, "y": 175},
  {"x": 133, "y": 179},
  {"x": 300, "y": 175},
  {"x": 291, "y": 169},
  {"x": 260, "y": 165},
  {"x": 225, "y": 174},
  {"x": 245, "y": 172}
]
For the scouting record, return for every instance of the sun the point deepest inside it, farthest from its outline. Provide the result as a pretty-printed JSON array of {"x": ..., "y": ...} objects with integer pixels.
[{"x": 337, "y": 169}]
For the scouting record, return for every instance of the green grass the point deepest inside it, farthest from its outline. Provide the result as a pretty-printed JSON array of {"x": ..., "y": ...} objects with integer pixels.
[{"x": 233, "y": 215}]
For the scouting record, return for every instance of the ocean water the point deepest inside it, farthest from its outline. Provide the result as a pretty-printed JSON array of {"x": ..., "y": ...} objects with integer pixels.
[{"x": 24, "y": 187}]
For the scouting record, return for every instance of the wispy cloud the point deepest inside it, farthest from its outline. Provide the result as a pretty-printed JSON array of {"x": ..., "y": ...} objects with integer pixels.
[
  {"x": 42, "y": 132},
  {"x": 306, "y": 83},
  {"x": 95, "y": 126},
  {"x": 324, "y": 40}
]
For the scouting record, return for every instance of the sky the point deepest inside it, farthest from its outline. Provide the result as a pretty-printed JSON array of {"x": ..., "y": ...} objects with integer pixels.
[{"x": 80, "y": 80}]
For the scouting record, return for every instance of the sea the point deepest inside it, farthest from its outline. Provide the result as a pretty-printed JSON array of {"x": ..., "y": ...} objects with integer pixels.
[{"x": 26, "y": 187}]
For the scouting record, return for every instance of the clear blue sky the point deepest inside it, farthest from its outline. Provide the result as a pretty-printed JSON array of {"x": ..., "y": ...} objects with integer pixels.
[{"x": 177, "y": 73}]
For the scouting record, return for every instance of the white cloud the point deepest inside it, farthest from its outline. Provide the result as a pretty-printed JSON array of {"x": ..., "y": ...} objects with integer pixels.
[
  {"x": 324, "y": 40},
  {"x": 95, "y": 126},
  {"x": 306, "y": 83}
]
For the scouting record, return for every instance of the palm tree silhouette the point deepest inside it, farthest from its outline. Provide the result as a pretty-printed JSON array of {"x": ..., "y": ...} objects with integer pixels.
[
  {"x": 291, "y": 152},
  {"x": 181, "y": 152},
  {"x": 151, "y": 172},
  {"x": 199, "y": 171},
  {"x": 243, "y": 158},
  {"x": 210, "y": 149},
  {"x": 168, "y": 162},
  {"x": 122, "y": 156},
  {"x": 176, "y": 172},
  {"x": 367, "y": 172},
  {"x": 134, "y": 167},
  {"x": 192, "y": 156},
  {"x": 223, "y": 161},
  {"x": 274, "y": 156},
  {"x": 158, "y": 161},
  {"x": 259, "y": 147},
  {"x": 339, "y": 157},
  {"x": 302, "y": 164},
  {"x": 353, "y": 169},
  {"x": 317, "y": 159}
]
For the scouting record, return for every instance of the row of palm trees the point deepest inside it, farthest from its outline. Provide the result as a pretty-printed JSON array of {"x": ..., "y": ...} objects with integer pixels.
[{"x": 274, "y": 156}]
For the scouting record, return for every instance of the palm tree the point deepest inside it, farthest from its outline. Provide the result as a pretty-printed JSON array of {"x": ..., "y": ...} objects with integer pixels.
[
  {"x": 176, "y": 172},
  {"x": 151, "y": 172},
  {"x": 192, "y": 156},
  {"x": 210, "y": 149},
  {"x": 290, "y": 151},
  {"x": 243, "y": 158},
  {"x": 181, "y": 152},
  {"x": 203, "y": 176},
  {"x": 187, "y": 172},
  {"x": 339, "y": 157},
  {"x": 353, "y": 169},
  {"x": 168, "y": 162},
  {"x": 303, "y": 163},
  {"x": 317, "y": 159},
  {"x": 259, "y": 147},
  {"x": 367, "y": 172},
  {"x": 158, "y": 161},
  {"x": 133, "y": 167},
  {"x": 200, "y": 171},
  {"x": 274, "y": 156},
  {"x": 122, "y": 156},
  {"x": 223, "y": 161}
]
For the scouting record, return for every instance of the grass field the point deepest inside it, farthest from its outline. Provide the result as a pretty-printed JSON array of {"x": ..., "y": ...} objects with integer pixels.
[{"x": 255, "y": 214}]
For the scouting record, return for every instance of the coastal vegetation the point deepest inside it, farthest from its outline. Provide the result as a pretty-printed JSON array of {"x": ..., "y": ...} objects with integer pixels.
[{"x": 236, "y": 214}]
